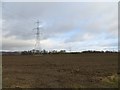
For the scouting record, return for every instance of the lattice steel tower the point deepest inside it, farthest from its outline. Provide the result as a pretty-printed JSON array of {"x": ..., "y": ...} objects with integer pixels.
[{"x": 37, "y": 41}]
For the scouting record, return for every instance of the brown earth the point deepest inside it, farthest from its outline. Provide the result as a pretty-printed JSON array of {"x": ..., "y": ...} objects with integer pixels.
[{"x": 59, "y": 71}]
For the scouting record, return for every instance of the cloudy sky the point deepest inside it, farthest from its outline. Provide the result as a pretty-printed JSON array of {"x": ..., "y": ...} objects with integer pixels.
[{"x": 72, "y": 26}]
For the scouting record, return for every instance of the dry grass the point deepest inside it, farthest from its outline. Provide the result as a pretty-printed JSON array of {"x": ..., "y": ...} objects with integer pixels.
[{"x": 111, "y": 80}]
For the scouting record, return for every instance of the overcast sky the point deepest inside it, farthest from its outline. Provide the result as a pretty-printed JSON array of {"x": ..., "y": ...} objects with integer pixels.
[{"x": 72, "y": 26}]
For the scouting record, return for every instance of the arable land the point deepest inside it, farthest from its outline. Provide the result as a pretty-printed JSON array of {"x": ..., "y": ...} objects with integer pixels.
[{"x": 86, "y": 70}]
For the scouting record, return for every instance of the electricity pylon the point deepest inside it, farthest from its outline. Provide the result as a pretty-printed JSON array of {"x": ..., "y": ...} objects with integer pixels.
[{"x": 37, "y": 47}]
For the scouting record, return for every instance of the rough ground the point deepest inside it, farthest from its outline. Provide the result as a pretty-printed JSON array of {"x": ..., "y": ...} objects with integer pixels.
[
  {"x": 60, "y": 71},
  {"x": 0, "y": 72}
]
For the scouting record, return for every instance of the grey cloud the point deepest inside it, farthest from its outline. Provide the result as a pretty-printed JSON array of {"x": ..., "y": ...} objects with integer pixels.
[
  {"x": 15, "y": 44},
  {"x": 91, "y": 19}
]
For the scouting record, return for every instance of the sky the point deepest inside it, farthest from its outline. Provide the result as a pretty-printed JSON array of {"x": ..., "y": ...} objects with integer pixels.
[{"x": 72, "y": 26}]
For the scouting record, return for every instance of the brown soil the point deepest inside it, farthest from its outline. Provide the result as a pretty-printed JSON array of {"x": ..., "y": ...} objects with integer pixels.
[{"x": 59, "y": 71}]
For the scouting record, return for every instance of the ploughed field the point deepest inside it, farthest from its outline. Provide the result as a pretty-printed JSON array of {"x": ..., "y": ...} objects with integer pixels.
[{"x": 60, "y": 71}]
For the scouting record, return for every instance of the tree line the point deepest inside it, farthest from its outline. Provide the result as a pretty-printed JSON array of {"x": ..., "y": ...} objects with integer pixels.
[{"x": 31, "y": 52}]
